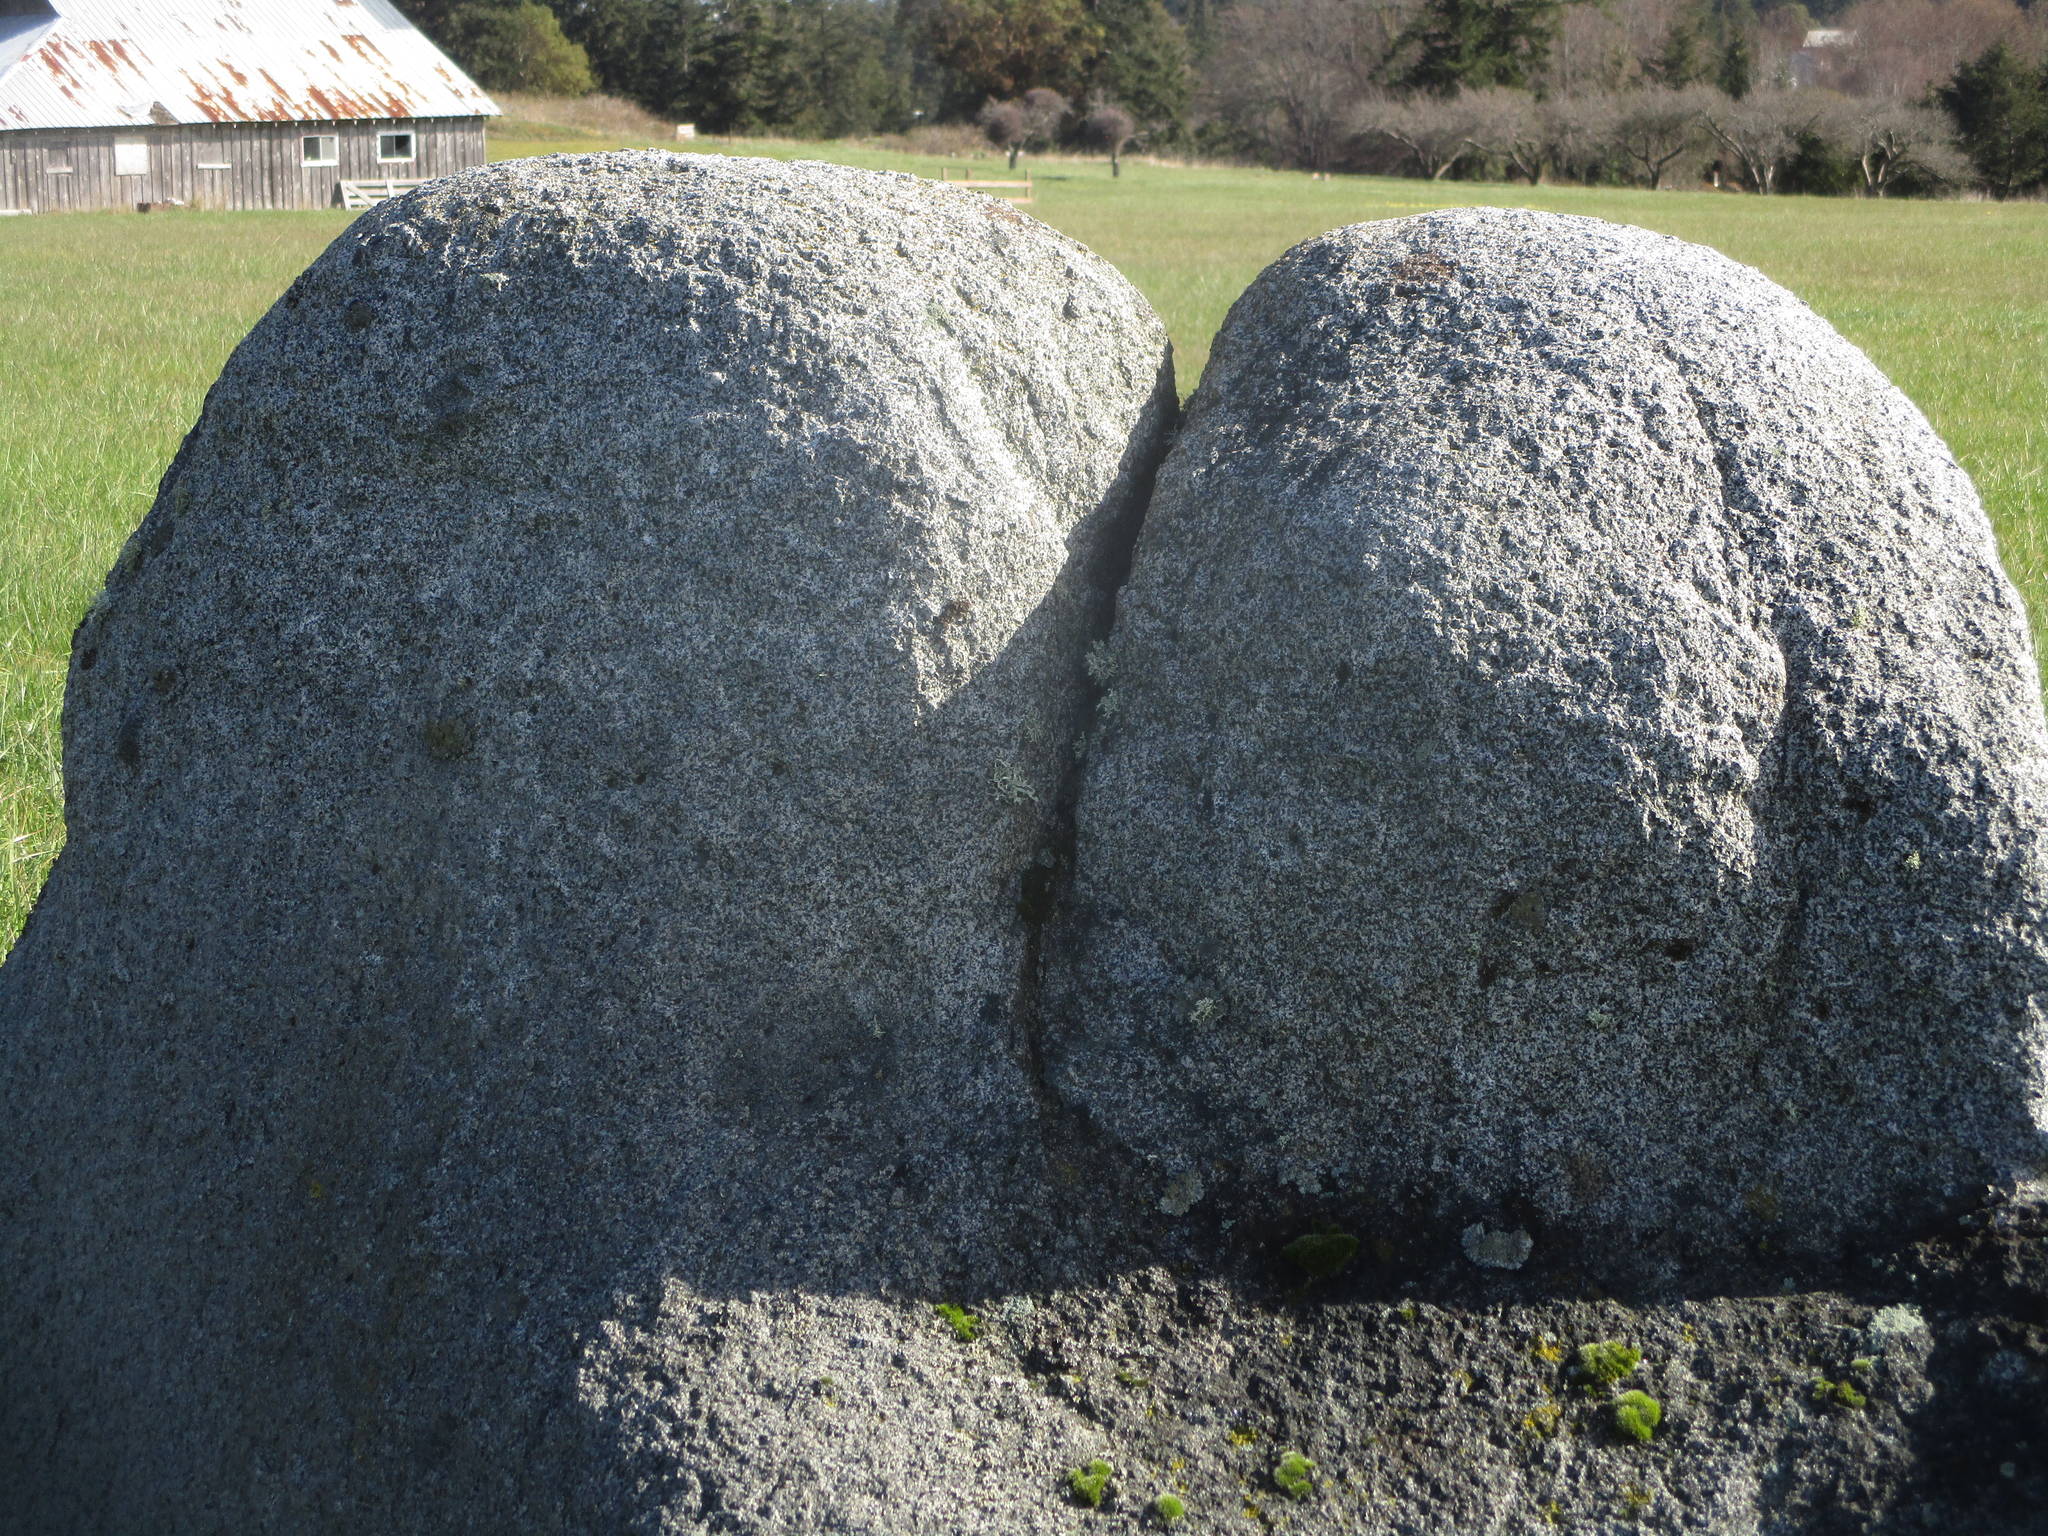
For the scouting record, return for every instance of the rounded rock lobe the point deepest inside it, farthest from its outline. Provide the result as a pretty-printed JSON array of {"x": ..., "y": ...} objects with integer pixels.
[
  {"x": 1573, "y": 754},
  {"x": 550, "y": 783}
]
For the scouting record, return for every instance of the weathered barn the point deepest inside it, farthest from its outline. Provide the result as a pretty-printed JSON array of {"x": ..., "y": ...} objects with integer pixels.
[{"x": 222, "y": 103}]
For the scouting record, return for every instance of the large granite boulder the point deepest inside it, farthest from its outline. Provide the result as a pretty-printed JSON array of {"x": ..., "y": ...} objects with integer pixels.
[
  {"x": 574, "y": 1001},
  {"x": 559, "y": 785},
  {"x": 1571, "y": 764}
]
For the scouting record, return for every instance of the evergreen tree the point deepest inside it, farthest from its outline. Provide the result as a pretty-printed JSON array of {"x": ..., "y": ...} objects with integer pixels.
[
  {"x": 640, "y": 49},
  {"x": 1197, "y": 20},
  {"x": 1732, "y": 30},
  {"x": 1143, "y": 67},
  {"x": 997, "y": 49},
  {"x": 814, "y": 68},
  {"x": 749, "y": 76},
  {"x": 1736, "y": 70},
  {"x": 508, "y": 45},
  {"x": 2000, "y": 109},
  {"x": 853, "y": 55},
  {"x": 430, "y": 16},
  {"x": 1682, "y": 61},
  {"x": 1475, "y": 43},
  {"x": 517, "y": 48}
]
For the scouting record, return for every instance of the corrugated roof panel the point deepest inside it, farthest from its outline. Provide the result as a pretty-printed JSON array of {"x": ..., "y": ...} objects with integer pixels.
[
  {"x": 18, "y": 34},
  {"x": 121, "y": 63}
]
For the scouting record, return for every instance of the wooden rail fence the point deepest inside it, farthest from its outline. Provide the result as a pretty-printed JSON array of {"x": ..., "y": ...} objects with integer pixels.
[{"x": 1008, "y": 191}]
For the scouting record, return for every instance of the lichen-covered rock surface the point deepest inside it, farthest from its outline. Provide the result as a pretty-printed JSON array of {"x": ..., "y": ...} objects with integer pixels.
[
  {"x": 1571, "y": 762},
  {"x": 551, "y": 787},
  {"x": 1901, "y": 1395}
]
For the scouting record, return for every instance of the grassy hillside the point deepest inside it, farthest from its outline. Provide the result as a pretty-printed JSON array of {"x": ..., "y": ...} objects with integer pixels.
[{"x": 113, "y": 325}]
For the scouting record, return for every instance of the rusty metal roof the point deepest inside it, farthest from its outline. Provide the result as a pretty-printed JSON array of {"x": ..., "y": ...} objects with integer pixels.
[{"x": 125, "y": 63}]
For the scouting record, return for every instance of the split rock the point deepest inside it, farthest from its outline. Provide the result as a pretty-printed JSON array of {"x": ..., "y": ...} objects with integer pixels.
[{"x": 1571, "y": 754}]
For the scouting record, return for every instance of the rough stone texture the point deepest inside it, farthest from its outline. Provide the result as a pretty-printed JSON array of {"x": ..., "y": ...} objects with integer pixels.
[
  {"x": 551, "y": 784},
  {"x": 542, "y": 997},
  {"x": 1571, "y": 760},
  {"x": 1435, "y": 1399}
]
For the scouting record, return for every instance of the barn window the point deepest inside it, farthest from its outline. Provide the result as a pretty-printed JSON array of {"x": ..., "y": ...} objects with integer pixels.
[
  {"x": 131, "y": 157},
  {"x": 320, "y": 149},
  {"x": 393, "y": 146},
  {"x": 58, "y": 162}
]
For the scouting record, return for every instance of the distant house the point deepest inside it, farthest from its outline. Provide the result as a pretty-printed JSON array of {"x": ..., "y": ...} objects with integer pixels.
[
  {"x": 222, "y": 103},
  {"x": 1816, "y": 60}
]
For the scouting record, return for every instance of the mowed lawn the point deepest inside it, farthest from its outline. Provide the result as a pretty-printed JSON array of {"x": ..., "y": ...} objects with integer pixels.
[{"x": 112, "y": 326}]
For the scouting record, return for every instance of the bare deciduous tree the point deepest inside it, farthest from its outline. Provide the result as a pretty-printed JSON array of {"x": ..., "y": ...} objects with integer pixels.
[
  {"x": 1290, "y": 73},
  {"x": 1028, "y": 123},
  {"x": 1044, "y": 111},
  {"x": 1109, "y": 127},
  {"x": 1618, "y": 45},
  {"x": 1656, "y": 132},
  {"x": 1002, "y": 122},
  {"x": 1892, "y": 139},
  {"x": 1508, "y": 126},
  {"x": 1762, "y": 131},
  {"x": 1899, "y": 48},
  {"x": 1435, "y": 131},
  {"x": 1579, "y": 132}
]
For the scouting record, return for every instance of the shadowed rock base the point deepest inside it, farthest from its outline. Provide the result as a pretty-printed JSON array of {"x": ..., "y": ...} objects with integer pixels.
[{"x": 1902, "y": 1392}]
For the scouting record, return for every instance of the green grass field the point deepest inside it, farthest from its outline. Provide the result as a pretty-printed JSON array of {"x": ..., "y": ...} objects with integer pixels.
[{"x": 112, "y": 326}]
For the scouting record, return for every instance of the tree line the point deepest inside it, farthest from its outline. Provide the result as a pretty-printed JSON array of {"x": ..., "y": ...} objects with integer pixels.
[{"x": 1878, "y": 97}]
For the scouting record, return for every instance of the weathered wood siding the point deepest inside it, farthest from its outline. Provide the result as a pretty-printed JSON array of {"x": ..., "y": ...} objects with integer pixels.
[{"x": 224, "y": 165}]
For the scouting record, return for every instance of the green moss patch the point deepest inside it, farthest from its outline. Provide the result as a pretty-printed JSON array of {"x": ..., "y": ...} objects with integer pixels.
[
  {"x": 1637, "y": 1415},
  {"x": 1089, "y": 1484},
  {"x": 1294, "y": 1475}
]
